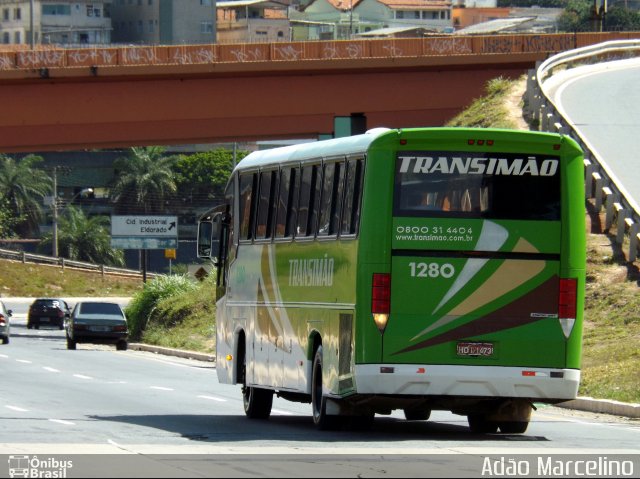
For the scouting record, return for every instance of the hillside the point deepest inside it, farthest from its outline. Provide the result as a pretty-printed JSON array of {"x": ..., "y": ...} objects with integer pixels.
[{"x": 28, "y": 279}]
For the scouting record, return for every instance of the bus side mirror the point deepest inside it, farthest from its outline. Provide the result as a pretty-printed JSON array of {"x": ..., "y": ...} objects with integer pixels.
[
  {"x": 205, "y": 231},
  {"x": 216, "y": 229},
  {"x": 209, "y": 238}
]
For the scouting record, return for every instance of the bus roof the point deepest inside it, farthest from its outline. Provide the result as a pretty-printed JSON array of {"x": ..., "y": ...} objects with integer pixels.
[
  {"x": 359, "y": 144},
  {"x": 338, "y": 146}
]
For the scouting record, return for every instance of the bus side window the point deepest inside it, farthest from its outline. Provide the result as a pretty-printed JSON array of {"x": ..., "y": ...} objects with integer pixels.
[
  {"x": 331, "y": 202},
  {"x": 309, "y": 200},
  {"x": 292, "y": 206},
  {"x": 283, "y": 202},
  {"x": 264, "y": 218},
  {"x": 327, "y": 199},
  {"x": 353, "y": 192},
  {"x": 314, "y": 205},
  {"x": 248, "y": 190}
]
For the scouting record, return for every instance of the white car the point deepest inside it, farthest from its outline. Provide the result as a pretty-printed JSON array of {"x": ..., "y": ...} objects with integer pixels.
[{"x": 5, "y": 323}]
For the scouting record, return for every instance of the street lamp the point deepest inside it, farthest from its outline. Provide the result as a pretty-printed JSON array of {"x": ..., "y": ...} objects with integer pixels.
[{"x": 81, "y": 194}]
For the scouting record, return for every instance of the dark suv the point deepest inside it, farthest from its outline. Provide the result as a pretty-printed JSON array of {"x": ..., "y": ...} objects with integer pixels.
[{"x": 48, "y": 312}]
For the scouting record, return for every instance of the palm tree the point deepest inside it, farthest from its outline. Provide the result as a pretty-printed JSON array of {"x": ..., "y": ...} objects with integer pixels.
[
  {"x": 24, "y": 187},
  {"x": 83, "y": 238},
  {"x": 146, "y": 181}
]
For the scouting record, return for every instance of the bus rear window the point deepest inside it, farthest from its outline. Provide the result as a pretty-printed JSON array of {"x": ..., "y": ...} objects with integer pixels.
[{"x": 477, "y": 185}]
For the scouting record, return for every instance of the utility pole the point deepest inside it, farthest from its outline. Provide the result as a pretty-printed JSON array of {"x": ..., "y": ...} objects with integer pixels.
[
  {"x": 350, "y": 19},
  {"x": 32, "y": 40},
  {"x": 54, "y": 205}
]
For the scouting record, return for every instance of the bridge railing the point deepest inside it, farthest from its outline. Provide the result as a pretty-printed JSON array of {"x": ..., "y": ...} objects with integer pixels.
[
  {"x": 621, "y": 211},
  {"x": 436, "y": 46}
]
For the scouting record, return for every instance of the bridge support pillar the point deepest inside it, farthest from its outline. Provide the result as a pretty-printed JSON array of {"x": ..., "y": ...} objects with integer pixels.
[{"x": 355, "y": 124}]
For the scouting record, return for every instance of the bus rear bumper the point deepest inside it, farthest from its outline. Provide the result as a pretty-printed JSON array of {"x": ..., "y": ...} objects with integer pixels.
[{"x": 477, "y": 381}]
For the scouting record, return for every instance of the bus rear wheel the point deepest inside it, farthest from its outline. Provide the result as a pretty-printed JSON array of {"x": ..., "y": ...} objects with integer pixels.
[
  {"x": 257, "y": 402},
  {"x": 480, "y": 424},
  {"x": 417, "y": 414},
  {"x": 513, "y": 427},
  {"x": 318, "y": 400}
]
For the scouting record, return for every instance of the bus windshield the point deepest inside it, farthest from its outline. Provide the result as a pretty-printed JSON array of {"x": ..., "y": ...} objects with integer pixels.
[{"x": 477, "y": 185}]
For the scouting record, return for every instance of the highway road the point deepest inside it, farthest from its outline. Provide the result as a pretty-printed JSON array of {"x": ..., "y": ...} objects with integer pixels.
[
  {"x": 136, "y": 414},
  {"x": 602, "y": 101}
]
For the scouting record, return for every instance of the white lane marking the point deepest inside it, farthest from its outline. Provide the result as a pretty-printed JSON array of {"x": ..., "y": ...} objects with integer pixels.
[
  {"x": 62, "y": 421},
  {"x": 80, "y": 376},
  {"x": 23, "y": 361},
  {"x": 212, "y": 398},
  {"x": 4, "y": 356},
  {"x": 161, "y": 388},
  {"x": 51, "y": 370},
  {"x": 281, "y": 412},
  {"x": 16, "y": 408}
]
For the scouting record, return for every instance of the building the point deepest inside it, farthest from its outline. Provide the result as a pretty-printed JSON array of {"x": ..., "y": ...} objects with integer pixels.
[
  {"x": 354, "y": 17},
  {"x": 432, "y": 15},
  {"x": 467, "y": 16},
  {"x": 240, "y": 21},
  {"x": 58, "y": 22},
  {"x": 164, "y": 22}
]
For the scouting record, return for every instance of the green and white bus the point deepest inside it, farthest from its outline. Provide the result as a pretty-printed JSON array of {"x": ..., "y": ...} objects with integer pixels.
[{"x": 415, "y": 269}]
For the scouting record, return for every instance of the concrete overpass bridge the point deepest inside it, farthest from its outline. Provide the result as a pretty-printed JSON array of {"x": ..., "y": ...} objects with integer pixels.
[{"x": 68, "y": 99}]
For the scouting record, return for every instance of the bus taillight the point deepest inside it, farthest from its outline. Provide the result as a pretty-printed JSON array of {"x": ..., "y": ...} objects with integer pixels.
[
  {"x": 567, "y": 304},
  {"x": 480, "y": 142},
  {"x": 381, "y": 299}
]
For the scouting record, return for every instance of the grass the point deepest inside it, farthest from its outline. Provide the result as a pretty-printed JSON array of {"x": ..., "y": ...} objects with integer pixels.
[
  {"x": 611, "y": 357},
  {"x": 175, "y": 312},
  {"x": 489, "y": 111},
  {"x": 35, "y": 280}
]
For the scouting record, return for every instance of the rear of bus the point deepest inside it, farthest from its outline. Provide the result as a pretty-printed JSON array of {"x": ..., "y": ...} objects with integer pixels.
[{"x": 476, "y": 279}]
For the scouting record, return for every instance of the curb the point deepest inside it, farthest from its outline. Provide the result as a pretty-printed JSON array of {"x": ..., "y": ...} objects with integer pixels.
[
  {"x": 602, "y": 406},
  {"x": 179, "y": 353}
]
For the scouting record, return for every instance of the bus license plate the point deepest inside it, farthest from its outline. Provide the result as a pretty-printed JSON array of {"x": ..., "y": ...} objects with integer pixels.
[{"x": 475, "y": 349}]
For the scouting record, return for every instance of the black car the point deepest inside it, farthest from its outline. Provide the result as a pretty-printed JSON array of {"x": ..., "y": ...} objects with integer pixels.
[
  {"x": 48, "y": 312},
  {"x": 97, "y": 323}
]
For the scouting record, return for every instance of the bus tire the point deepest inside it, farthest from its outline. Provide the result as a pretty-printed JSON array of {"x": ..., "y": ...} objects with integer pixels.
[
  {"x": 479, "y": 424},
  {"x": 417, "y": 414},
  {"x": 321, "y": 419},
  {"x": 513, "y": 427},
  {"x": 257, "y": 402}
]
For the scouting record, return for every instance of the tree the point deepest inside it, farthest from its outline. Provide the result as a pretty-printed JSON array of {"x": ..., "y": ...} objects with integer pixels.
[
  {"x": 7, "y": 221},
  {"x": 23, "y": 186},
  {"x": 83, "y": 238},
  {"x": 205, "y": 175},
  {"x": 619, "y": 18},
  {"x": 145, "y": 182},
  {"x": 577, "y": 16}
]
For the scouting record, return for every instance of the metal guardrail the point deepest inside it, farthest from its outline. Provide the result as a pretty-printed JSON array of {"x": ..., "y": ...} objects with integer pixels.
[
  {"x": 621, "y": 211},
  {"x": 67, "y": 263}
]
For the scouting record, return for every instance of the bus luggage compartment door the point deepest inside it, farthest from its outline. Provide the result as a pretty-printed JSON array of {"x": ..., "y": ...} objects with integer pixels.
[{"x": 469, "y": 309}]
